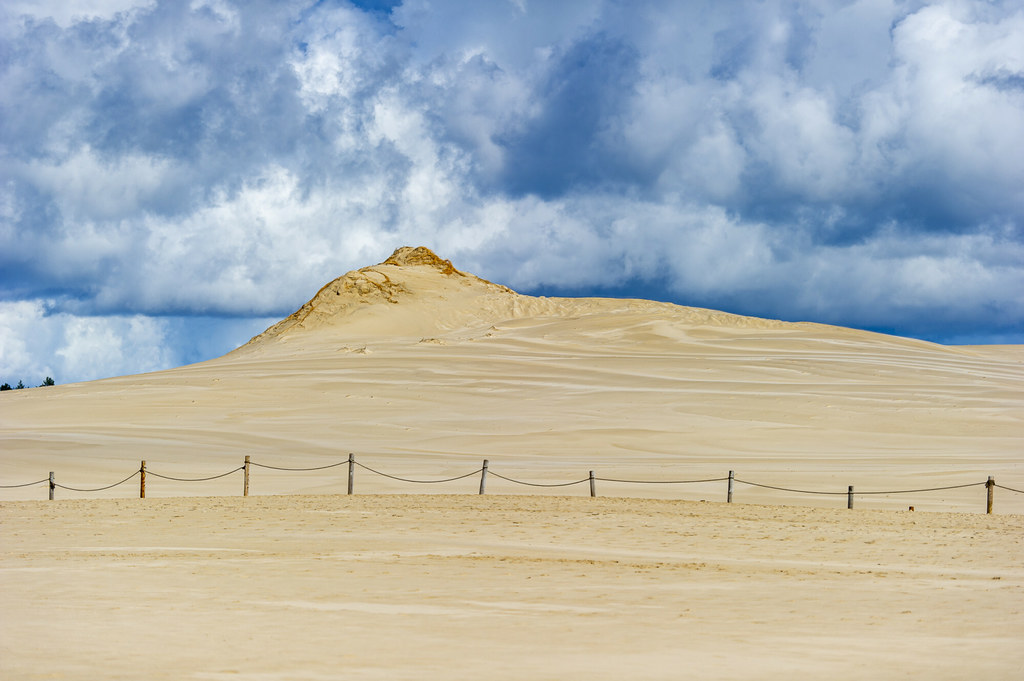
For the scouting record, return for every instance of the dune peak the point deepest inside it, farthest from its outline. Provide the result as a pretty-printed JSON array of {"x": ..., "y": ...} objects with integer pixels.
[
  {"x": 408, "y": 256},
  {"x": 416, "y": 276}
]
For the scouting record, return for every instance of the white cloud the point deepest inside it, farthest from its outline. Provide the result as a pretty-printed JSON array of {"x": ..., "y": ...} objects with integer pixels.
[
  {"x": 956, "y": 118},
  {"x": 851, "y": 161},
  {"x": 851, "y": 49},
  {"x": 341, "y": 53},
  {"x": 68, "y": 12},
  {"x": 85, "y": 186},
  {"x": 946, "y": 280},
  {"x": 504, "y": 33},
  {"x": 101, "y": 346},
  {"x": 800, "y": 138},
  {"x": 20, "y": 337},
  {"x": 35, "y": 343}
]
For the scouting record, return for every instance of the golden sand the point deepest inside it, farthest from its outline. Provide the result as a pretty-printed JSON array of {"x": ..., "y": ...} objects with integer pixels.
[
  {"x": 424, "y": 371},
  {"x": 504, "y": 587}
]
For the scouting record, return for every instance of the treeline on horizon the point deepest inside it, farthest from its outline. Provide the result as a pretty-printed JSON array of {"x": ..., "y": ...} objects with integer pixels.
[{"x": 20, "y": 386}]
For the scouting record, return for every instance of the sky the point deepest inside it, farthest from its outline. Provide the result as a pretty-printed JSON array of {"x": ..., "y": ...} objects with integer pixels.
[{"x": 176, "y": 176}]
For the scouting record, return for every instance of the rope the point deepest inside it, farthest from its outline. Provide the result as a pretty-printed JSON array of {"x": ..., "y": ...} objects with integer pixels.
[
  {"x": 903, "y": 491},
  {"x": 27, "y": 484},
  {"x": 1008, "y": 489},
  {"x": 784, "y": 489},
  {"x": 314, "y": 468},
  {"x": 538, "y": 484},
  {"x": 98, "y": 489},
  {"x": 929, "y": 489},
  {"x": 212, "y": 477},
  {"x": 661, "y": 482},
  {"x": 422, "y": 482}
]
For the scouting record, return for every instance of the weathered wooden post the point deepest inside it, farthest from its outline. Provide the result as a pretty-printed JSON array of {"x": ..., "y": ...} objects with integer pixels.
[
  {"x": 849, "y": 497},
  {"x": 991, "y": 486},
  {"x": 728, "y": 496},
  {"x": 351, "y": 471},
  {"x": 245, "y": 478},
  {"x": 483, "y": 477},
  {"x": 593, "y": 490},
  {"x": 142, "y": 481},
  {"x": 53, "y": 485}
]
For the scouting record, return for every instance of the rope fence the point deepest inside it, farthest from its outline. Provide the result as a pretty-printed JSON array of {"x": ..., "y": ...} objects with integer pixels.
[{"x": 484, "y": 470}]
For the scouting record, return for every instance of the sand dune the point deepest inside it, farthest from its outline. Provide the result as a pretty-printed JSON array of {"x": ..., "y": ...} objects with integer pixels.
[{"x": 423, "y": 371}]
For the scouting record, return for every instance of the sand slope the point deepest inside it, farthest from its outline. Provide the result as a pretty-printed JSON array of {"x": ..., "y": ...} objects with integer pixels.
[{"x": 422, "y": 370}]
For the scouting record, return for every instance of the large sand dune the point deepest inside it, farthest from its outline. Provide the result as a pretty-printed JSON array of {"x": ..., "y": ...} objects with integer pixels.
[{"x": 424, "y": 371}]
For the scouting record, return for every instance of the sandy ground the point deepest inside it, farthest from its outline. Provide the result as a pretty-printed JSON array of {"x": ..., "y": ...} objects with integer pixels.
[
  {"x": 423, "y": 372},
  {"x": 504, "y": 587},
  {"x": 805, "y": 407}
]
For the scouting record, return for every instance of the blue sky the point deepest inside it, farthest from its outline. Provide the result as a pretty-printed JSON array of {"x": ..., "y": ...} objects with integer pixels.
[{"x": 175, "y": 176}]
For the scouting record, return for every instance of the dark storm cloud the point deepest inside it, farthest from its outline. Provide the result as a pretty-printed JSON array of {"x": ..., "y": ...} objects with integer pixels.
[{"x": 572, "y": 144}]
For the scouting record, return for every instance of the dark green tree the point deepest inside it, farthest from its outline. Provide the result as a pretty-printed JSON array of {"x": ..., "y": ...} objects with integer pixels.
[
  {"x": 48, "y": 381},
  {"x": 5, "y": 386},
  {"x": 19, "y": 386}
]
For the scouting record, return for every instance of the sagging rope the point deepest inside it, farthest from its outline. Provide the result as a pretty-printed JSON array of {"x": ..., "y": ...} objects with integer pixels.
[
  {"x": 660, "y": 482},
  {"x": 540, "y": 484},
  {"x": 212, "y": 477},
  {"x": 898, "y": 491},
  {"x": 282, "y": 468},
  {"x": 27, "y": 484},
  {"x": 97, "y": 489},
  {"x": 419, "y": 482}
]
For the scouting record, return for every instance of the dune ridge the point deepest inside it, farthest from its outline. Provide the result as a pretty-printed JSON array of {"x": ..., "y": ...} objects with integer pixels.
[
  {"x": 423, "y": 370},
  {"x": 414, "y": 291}
]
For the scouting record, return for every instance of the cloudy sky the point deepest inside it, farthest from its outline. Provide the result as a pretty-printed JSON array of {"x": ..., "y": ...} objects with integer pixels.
[{"x": 175, "y": 176}]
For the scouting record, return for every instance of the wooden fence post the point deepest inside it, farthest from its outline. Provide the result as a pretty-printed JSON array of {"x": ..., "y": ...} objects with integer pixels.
[
  {"x": 245, "y": 478},
  {"x": 728, "y": 496},
  {"x": 593, "y": 490},
  {"x": 52, "y": 485},
  {"x": 483, "y": 477},
  {"x": 351, "y": 472},
  {"x": 849, "y": 497},
  {"x": 142, "y": 481},
  {"x": 991, "y": 486}
]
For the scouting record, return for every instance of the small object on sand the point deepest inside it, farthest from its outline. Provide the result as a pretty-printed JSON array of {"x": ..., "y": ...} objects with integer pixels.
[{"x": 911, "y": 508}]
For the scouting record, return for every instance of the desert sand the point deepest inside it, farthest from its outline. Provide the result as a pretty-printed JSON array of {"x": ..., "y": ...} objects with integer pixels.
[
  {"x": 504, "y": 587},
  {"x": 423, "y": 371}
]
